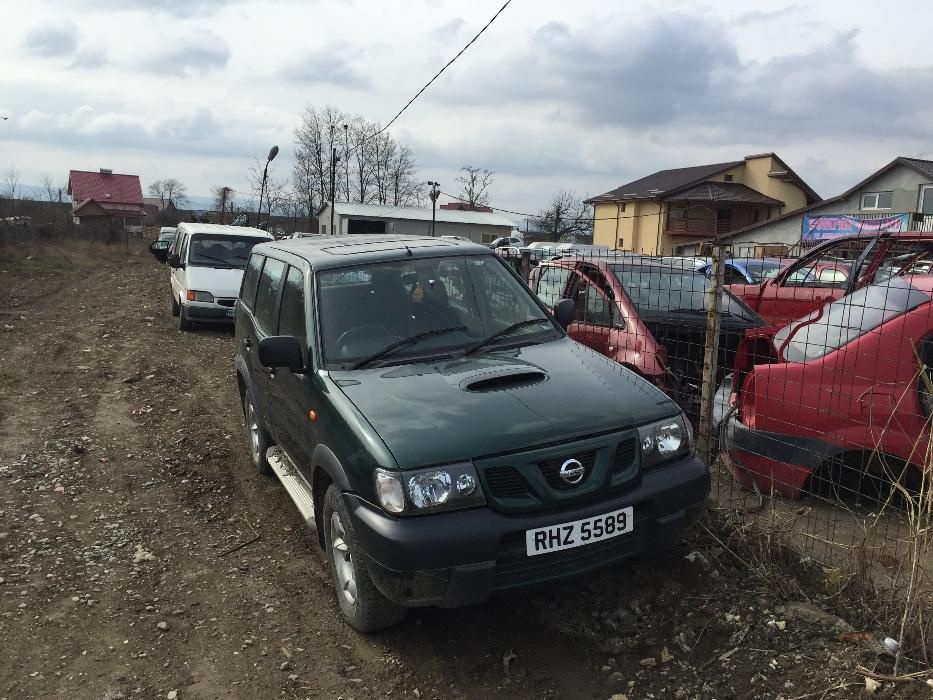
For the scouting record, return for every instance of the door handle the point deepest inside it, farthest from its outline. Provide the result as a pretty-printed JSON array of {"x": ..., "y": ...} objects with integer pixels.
[{"x": 247, "y": 344}]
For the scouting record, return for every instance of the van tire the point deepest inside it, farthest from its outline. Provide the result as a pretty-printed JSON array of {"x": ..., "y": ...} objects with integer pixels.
[
  {"x": 174, "y": 303},
  {"x": 369, "y": 610},
  {"x": 183, "y": 323}
]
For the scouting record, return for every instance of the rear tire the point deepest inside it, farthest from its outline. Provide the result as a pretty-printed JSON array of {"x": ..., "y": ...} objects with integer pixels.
[
  {"x": 361, "y": 603},
  {"x": 174, "y": 306},
  {"x": 183, "y": 323},
  {"x": 259, "y": 440}
]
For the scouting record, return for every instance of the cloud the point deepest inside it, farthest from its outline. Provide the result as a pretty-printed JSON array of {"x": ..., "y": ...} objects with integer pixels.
[
  {"x": 449, "y": 29},
  {"x": 766, "y": 16},
  {"x": 173, "y": 8},
  {"x": 194, "y": 55},
  {"x": 53, "y": 38},
  {"x": 331, "y": 65},
  {"x": 89, "y": 59}
]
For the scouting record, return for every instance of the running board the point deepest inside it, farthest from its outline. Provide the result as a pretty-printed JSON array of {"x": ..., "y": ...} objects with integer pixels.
[{"x": 294, "y": 482}]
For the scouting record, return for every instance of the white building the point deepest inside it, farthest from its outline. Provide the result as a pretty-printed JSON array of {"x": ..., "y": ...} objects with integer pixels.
[{"x": 353, "y": 218}]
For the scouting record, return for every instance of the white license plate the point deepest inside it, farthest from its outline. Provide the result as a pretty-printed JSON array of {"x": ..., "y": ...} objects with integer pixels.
[
  {"x": 229, "y": 313},
  {"x": 553, "y": 538}
]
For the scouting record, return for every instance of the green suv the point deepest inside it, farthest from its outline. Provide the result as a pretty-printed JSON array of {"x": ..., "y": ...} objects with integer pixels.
[{"x": 433, "y": 422}]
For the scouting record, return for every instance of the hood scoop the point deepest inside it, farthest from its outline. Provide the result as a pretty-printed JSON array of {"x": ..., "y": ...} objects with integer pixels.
[{"x": 508, "y": 379}]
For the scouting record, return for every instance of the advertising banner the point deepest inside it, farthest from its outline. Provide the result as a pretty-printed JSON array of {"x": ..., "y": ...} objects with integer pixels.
[{"x": 821, "y": 228}]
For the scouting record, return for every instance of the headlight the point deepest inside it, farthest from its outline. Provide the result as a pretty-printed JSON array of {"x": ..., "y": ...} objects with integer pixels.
[
  {"x": 426, "y": 490},
  {"x": 200, "y": 296},
  {"x": 665, "y": 440}
]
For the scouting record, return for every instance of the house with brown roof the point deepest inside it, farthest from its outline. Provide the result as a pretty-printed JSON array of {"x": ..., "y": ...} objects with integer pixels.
[
  {"x": 107, "y": 199},
  {"x": 673, "y": 212},
  {"x": 896, "y": 197}
]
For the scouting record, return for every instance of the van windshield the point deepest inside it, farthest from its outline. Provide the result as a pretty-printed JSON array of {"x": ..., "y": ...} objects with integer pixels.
[
  {"x": 220, "y": 251},
  {"x": 425, "y": 307}
]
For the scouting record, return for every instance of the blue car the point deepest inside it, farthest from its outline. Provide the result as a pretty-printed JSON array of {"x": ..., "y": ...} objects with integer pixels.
[{"x": 747, "y": 270}]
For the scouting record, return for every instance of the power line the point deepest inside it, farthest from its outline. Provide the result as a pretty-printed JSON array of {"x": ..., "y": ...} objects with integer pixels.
[{"x": 436, "y": 76}]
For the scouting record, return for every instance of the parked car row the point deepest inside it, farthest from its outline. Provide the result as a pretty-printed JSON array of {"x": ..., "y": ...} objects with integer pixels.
[{"x": 432, "y": 420}]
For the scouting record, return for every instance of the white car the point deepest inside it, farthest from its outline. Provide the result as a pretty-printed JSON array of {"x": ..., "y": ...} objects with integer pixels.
[
  {"x": 207, "y": 262},
  {"x": 167, "y": 233}
]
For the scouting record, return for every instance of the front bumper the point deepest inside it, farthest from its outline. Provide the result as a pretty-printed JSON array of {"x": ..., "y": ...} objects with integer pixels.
[
  {"x": 774, "y": 462},
  {"x": 209, "y": 313},
  {"x": 459, "y": 558}
]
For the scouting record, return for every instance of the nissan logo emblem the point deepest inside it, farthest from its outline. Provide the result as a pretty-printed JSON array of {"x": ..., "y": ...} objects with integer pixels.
[{"x": 572, "y": 471}]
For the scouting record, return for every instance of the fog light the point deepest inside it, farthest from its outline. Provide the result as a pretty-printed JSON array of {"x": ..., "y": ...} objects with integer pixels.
[
  {"x": 429, "y": 489},
  {"x": 466, "y": 484}
]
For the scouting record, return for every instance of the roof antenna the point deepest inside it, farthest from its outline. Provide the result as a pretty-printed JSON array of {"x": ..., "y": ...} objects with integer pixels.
[{"x": 399, "y": 239}]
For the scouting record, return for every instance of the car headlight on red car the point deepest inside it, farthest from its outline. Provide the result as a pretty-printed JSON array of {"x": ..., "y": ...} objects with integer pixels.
[{"x": 665, "y": 440}]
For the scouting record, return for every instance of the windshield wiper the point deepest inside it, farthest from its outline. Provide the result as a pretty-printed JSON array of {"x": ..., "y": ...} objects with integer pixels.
[
  {"x": 505, "y": 331},
  {"x": 403, "y": 342},
  {"x": 697, "y": 311}
]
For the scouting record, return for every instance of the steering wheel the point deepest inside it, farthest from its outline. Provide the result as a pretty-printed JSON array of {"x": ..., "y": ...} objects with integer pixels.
[{"x": 359, "y": 329}]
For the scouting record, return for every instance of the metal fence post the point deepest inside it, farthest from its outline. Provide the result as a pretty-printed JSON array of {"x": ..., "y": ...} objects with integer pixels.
[{"x": 705, "y": 441}]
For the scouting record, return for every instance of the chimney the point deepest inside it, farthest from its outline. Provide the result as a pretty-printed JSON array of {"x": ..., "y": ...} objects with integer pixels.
[{"x": 106, "y": 171}]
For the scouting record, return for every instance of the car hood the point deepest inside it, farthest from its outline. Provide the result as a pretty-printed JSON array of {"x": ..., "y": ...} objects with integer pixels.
[
  {"x": 221, "y": 282},
  {"x": 503, "y": 401}
]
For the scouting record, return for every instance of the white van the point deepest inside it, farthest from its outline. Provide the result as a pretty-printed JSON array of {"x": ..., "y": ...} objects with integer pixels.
[{"x": 207, "y": 262}]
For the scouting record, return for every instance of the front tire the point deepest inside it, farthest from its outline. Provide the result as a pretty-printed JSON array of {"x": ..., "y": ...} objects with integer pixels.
[
  {"x": 361, "y": 603},
  {"x": 259, "y": 440}
]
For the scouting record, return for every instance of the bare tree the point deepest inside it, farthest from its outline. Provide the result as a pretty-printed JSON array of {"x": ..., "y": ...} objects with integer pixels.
[
  {"x": 169, "y": 191},
  {"x": 362, "y": 157},
  {"x": 319, "y": 132},
  {"x": 223, "y": 201},
  {"x": 474, "y": 183},
  {"x": 11, "y": 181},
  {"x": 567, "y": 216},
  {"x": 405, "y": 188}
]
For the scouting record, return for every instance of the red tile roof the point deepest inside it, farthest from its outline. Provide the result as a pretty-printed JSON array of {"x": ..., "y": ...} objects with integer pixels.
[{"x": 104, "y": 188}]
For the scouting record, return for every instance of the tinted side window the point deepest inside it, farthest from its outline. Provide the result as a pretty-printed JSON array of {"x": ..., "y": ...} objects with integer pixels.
[
  {"x": 267, "y": 294},
  {"x": 183, "y": 253},
  {"x": 250, "y": 281},
  {"x": 292, "y": 308},
  {"x": 551, "y": 284}
]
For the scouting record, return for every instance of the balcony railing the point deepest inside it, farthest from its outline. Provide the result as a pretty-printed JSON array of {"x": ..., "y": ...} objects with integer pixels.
[{"x": 697, "y": 227}]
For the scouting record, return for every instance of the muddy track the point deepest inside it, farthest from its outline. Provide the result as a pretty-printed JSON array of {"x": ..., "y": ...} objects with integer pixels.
[{"x": 125, "y": 481}]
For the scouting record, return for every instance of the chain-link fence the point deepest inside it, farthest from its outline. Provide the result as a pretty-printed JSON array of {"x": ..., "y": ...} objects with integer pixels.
[{"x": 807, "y": 380}]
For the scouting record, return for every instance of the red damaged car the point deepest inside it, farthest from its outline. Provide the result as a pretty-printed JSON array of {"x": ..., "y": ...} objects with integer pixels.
[
  {"x": 837, "y": 397},
  {"x": 832, "y": 270}
]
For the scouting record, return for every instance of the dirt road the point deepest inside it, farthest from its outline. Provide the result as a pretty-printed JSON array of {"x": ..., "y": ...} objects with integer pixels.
[{"x": 140, "y": 556}]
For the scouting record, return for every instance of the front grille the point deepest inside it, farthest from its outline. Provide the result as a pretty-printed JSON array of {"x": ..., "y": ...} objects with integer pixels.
[
  {"x": 515, "y": 568},
  {"x": 226, "y": 302},
  {"x": 625, "y": 454},
  {"x": 550, "y": 469},
  {"x": 505, "y": 482}
]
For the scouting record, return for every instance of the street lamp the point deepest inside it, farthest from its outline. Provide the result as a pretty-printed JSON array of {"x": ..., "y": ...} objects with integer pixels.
[
  {"x": 434, "y": 194},
  {"x": 273, "y": 152}
]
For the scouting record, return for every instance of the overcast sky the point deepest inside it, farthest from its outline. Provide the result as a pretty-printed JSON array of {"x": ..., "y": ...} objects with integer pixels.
[{"x": 584, "y": 95}]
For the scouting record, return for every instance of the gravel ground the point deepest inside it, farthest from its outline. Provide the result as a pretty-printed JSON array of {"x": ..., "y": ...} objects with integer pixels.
[{"x": 125, "y": 483}]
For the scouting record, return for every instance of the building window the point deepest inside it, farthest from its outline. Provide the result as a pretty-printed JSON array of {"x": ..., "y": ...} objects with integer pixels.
[
  {"x": 622, "y": 240},
  {"x": 678, "y": 213},
  {"x": 622, "y": 206},
  {"x": 756, "y": 216},
  {"x": 324, "y": 229},
  {"x": 487, "y": 238},
  {"x": 876, "y": 200},
  {"x": 727, "y": 178},
  {"x": 926, "y": 200}
]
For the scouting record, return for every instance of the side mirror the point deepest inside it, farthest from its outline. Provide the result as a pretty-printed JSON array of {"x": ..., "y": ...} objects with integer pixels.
[
  {"x": 174, "y": 261},
  {"x": 159, "y": 250},
  {"x": 565, "y": 311},
  {"x": 281, "y": 351}
]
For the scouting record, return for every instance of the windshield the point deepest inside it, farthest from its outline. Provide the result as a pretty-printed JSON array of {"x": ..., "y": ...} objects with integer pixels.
[
  {"x": 450, "y": 303},
  {"x": 659, "y": 291},
  {"x": 221, "y": 251},
  {"x": 760, "y": 270},
  {"x": 847, "y": 319}
]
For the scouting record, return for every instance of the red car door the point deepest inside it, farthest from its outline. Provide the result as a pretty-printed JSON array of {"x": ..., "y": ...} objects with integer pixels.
[
  {"x": 592, "y": 325},
  {"x": 812, "y": 281}
]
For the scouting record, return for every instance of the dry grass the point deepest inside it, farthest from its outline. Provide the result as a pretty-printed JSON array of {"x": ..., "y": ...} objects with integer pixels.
[{"x": 65, "y": 253}]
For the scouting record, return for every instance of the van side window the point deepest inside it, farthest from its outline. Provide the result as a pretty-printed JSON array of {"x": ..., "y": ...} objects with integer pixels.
[
  {"x": 251, "y": 281},
  {"x": 292, "y": 308},
  {"x": 551, "y": 284},
  {"x": 183, "y": 253},
  {"x": 267, "y": 294}
]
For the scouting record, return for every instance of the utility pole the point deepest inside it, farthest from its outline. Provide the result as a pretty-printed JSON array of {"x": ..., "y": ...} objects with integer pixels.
[
  {"x": 434, "y": 194},
  {"x": 346, "y": 155},
  {"x": 333, "y": 185}
]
